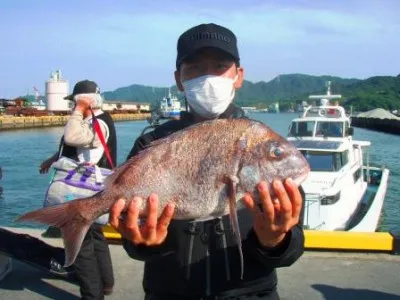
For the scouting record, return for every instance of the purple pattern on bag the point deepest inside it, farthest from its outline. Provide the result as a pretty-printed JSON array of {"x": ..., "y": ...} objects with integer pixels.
[
  {"x": 70, "y": 174},
  {"x": 76, "y": 178},
  {"x": 85, "y": 175},
  {"x": 81, "y": 184},
  {"x": 104, "y": 172}
]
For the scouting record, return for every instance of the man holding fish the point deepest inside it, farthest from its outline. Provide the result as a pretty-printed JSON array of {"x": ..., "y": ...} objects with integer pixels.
[
  {"x": 209, "y": 202},
  {"x": 198, "y": 259}
]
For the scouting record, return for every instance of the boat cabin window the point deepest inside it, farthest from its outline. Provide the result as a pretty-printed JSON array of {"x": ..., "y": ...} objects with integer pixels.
[
  {"x": 329, "y": 129},
  {"x": 322, "y": 161},
  {"x": 319, "y": 161},
  {"x": 302, "y": 128}
]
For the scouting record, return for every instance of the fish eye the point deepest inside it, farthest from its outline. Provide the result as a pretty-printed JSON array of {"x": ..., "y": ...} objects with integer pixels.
[{"x": 276, "y": 152}]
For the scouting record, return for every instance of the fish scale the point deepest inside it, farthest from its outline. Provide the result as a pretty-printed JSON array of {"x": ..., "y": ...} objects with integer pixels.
[{"x": 205, "y": 169}]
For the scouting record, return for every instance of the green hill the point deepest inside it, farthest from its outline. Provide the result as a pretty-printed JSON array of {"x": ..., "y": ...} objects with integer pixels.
[
  {"x": 381, "y": 91},
  {"x": 139, "y": 93},
  {"x": 288, "y": 87},
  {"x": 374, "y": 92}
]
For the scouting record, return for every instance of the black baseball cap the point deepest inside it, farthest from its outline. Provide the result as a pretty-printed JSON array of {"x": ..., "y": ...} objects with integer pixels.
[
  {"x": 84, "y": 87},
  {"x": 206, "y": 35}
]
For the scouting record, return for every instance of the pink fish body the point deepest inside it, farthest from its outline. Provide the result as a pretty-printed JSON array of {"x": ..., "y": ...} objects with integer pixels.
[{"x": 204, "y": 169}]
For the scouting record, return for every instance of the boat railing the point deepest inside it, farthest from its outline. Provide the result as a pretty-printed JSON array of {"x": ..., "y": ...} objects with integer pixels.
[{"x": 368, "y": 167}]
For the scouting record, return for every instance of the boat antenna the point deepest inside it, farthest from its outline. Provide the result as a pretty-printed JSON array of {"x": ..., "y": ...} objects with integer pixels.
[{"x": 328, "y": 92}]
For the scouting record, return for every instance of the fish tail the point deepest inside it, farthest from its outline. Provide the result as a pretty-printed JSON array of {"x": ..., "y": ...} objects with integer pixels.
[{"x": 70, "y": 219}]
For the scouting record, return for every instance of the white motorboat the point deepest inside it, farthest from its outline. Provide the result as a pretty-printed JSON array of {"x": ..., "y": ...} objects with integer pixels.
[
  {"x": 169, "y": 108},
  {"x": 342, "y": 192}
]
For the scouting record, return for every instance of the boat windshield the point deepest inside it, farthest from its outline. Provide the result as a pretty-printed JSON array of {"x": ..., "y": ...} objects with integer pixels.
[
  {"x": 329, "y": 129},
  {"x": 302, "y": 128},
  {"x": 322, "y": 161}
]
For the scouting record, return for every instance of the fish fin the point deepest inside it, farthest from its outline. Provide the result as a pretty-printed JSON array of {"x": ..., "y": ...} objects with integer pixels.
[
  {"x": 232, "y": 183},
  {"x": 72, "y": 223}
]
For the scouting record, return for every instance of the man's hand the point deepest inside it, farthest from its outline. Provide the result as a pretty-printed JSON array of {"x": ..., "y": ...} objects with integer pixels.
[
  {"x": 154, "y": 230},
  {"x": 45, "y": 166},
  {"x": 83, "y": 104},
  {"x": 276, "y": 217}
]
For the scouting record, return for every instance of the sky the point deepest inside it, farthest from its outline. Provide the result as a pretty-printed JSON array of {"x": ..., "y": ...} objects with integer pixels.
[{"x": 119, "y": 43}]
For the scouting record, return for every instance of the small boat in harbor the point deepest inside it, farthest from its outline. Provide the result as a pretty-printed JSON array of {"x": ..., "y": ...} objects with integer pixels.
[
  {"x": 343, "y": 191},
  {"x": 169, "y": 108}
]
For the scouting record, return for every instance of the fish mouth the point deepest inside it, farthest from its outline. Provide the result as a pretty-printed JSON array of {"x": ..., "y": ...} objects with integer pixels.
[{"x": 304, "y": 174}]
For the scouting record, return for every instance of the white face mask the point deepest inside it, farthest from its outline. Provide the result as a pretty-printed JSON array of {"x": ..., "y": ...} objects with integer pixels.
[{"x": 209, "y": 95}]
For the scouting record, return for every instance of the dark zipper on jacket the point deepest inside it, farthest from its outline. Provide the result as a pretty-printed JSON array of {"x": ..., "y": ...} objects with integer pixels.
[
  {"x": 208, "y": 272},
  {"x": 224, "y": 245},
  {"x": 192, "y": 231}
]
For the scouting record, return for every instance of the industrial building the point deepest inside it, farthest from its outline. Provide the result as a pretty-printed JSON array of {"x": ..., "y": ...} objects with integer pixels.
[{"x": 56, "y": 89}]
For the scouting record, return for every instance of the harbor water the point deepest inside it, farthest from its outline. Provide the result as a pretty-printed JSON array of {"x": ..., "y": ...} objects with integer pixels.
[{"x": 22, "y": 188}]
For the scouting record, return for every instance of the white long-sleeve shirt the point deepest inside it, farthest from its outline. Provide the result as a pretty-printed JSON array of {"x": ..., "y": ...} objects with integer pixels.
[{"x": 79, "y": 133}]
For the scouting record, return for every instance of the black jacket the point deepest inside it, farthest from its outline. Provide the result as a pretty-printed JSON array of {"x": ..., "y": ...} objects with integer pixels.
[{"x": 200, "y": 260}]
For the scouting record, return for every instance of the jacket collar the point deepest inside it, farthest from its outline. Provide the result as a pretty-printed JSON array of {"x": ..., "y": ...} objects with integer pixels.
[{"x": 232, "y": 111}]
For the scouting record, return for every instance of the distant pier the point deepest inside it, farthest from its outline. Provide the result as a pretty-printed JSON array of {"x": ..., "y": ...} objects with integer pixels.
[
  {"x": 12, "y": 123},
  {"x": 377, "y": 119},
  {"x": 385, "y": 125}
]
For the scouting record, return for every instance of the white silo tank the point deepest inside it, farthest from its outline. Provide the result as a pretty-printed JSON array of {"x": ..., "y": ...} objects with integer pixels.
[{"x": 56, "y": 89}]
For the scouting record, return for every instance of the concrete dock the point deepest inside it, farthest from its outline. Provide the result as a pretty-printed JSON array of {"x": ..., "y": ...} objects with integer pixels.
[
  {"x": 12, "y": 123},
  {"x": 317, "y": 275}
]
